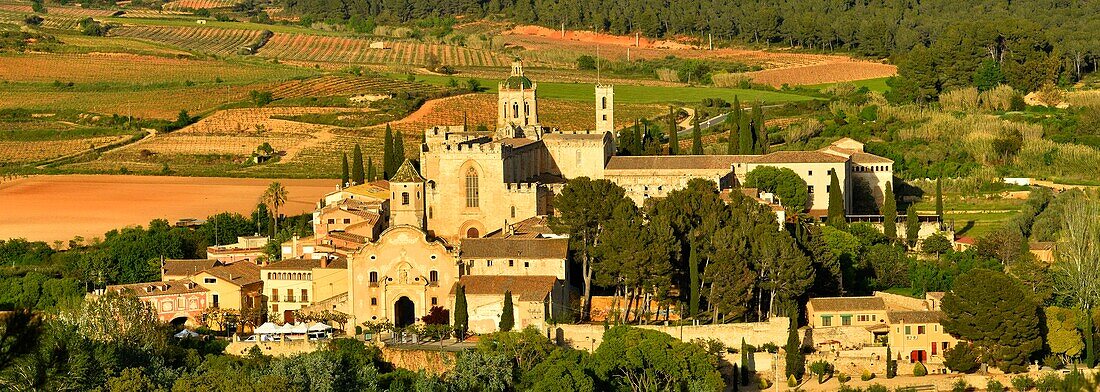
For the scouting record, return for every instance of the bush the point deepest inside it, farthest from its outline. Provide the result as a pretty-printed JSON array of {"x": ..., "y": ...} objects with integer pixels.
[
  {"x": 866, "y": 375},
  {"x": 919, "y": 370},
  {"x": 843, "y": 377},
  {"x": 1049, "y": 382},
  {"x": 764, "y": 383},
  {"x": 877, "y": 388},
  {"x": 994, "y": 386},
  {"x": 820, "y": 368},
  {"x": 960, "y": 385},
  {"x": 791, "y": 381},
  {"x": 961, "y": 358},
  {"x": 1022, "y": 383}
]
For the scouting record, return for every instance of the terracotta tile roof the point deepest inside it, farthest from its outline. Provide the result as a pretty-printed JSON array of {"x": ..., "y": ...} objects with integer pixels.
[
  {"x": 915, "y": 317},
  {"x": 350, "y": 237},
  {"x": 798, "y": 157},
  {"x": 240, "y": 274},
  {"x": 862, "y": 157},
  {"x": 516, "y": 142},
  {"x": 366, "y": 215},
  {"x": 407, "y": 173},
  {"x": 151, "y": 289},
  {"x": 847, "y": 304},
  {"x": 516, "y": 248},
  {"x": 374, "y": 189},
  {"x": 535, "y": 224},
  {"x": 523, "y": 288},
  {"x": 186, "y": 267},
  {"x": 293, "y": 264},
  {"x": 678, "y": 162}
]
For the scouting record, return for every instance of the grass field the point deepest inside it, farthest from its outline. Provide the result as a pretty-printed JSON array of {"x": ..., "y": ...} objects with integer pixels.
[
  {"x": 876, "y": 84},
  {"x": 973, "y": 215}
]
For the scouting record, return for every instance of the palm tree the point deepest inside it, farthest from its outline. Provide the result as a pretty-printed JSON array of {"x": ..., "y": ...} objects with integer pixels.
[{"x": 274, "y": 197}]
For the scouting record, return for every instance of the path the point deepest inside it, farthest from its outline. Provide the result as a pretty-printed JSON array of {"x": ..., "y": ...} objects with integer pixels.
[{"x": 150, "y": 133}]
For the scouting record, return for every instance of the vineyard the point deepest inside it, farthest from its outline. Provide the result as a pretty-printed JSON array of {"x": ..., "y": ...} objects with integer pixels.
[
  {"x": 326, "y": 86},
  {"x": 61, "y": 22},
  {"x": 134, "y": 69},
  {"x": 199, "y": 4},
  {"x": 355, "y": 50},
  {"x": 34, "y": 151},
  {"x": 199, "y": 39}
]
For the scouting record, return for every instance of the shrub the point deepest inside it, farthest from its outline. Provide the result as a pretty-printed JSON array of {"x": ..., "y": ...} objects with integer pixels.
[
  {"x": 1049, "y": 382},
  {"x": 770, "y": 347},
  {"x": 960, "y": 385},
  {"x": 845, "y": 388},
  {"x": 843, "y": 377},
  {"x": 961, "y": 358},
  {"x": 866, "y": 375},
  {"x": 994, "y": 386},
  {"x": 877, "y": 388},
  {"x": 791, "y": 381},
  {"x": 820, "y": 368},
  {"x": 764, "y": 383},
  {"x": 1022, "y": 382},
  {"x": 919, "y": 370}
]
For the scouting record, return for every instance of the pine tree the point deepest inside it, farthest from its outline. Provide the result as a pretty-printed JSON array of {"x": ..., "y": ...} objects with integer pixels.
[
  {"x": 462, "y": 318},
  {"x": 745, "y": 362},
  {"x": 836, "y": 203},
  {"x": 507, "y": 319},
  {"x": 939, "y": 201},
  {"x": 387, "y": 154},
  {"x": 357, "y": 164},
  {"x": 344, "y": 176},
  {"x": 890, "y": 213},
  {"x": 372, "y": 173},
  {"x": 912, "y": 226},
  {"x": 696, "y": 137},
  {"x": 673, "y": 133},
  {"x": 796, "y": 360},
  {"x": 693, "y": 275}
]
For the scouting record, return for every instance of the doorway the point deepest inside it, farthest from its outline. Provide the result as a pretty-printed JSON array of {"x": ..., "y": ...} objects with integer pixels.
[{"x": 404, "y": 312}]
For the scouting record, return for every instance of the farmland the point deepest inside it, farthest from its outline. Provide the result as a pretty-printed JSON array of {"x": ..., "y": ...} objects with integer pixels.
[
  {"x": 199, "y": 4},
  {"x": 339, "y": 85},
  {"x": 357, "y": 50},
  {"x": 198, "y": 39},
  {"x": 100, "y": 68}
]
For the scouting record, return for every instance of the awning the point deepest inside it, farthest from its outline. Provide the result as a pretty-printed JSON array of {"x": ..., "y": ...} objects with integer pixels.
[
  {"x": 319, "y": 327},
  {"x": 878, "y": 328},
  {"x": 186, "y": 334},
  {"x": 267, "y": 328}
]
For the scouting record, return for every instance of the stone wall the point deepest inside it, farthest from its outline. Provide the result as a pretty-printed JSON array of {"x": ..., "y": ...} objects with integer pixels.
[
  {"x": 434, "y": 362},
  {"x": 588, "y": 337},
  {"x": 279, "y": 349}
]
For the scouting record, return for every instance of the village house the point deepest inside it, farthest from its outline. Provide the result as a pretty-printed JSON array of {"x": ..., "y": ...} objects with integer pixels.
[
  {"x": 250, "y": 249},
  {"x": 180, "y": 302},
  {"x": 291, "y": 285},
  {"x": 231, "y": 286}
]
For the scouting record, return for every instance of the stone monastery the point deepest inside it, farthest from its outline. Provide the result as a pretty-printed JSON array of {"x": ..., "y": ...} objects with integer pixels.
[{"x": 475, "y": 214}]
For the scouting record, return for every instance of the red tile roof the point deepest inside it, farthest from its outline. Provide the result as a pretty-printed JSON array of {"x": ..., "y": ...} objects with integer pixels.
[
  {"x": 186, "y": 267},
  {"x": 150, "y": 289},
  {"x": 523, "y": 288},
  {"x": 515, "y": 248},
  {"x": 240, "y": 274},
  {"x": 677, "y": 162}
]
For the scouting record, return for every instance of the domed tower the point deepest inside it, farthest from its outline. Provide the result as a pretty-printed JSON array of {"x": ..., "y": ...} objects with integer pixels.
[
  {"x": 407, "y": 197},
  {"x": 516, "y": 104}
]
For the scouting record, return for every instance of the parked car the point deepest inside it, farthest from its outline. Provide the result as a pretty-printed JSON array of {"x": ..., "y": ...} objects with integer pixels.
[{"x": 263, "y": 338}]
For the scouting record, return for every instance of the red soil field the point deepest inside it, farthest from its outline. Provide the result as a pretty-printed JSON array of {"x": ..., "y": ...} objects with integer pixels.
[{"x": 48, "y": 208}]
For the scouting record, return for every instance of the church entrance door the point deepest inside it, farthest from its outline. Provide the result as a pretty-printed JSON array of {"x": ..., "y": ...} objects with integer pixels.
[{"x": 404, "y": 312}]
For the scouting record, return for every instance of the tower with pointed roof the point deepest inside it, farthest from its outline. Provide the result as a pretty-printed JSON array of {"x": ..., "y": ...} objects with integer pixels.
[
  {"x": 407, "y": 197},
  {"x": 516, "y": 101}
]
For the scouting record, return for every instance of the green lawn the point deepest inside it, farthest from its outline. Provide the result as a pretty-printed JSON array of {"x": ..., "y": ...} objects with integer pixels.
[
  {"x": 634, "y": 93},
  {"x": 876, "y": 84}
]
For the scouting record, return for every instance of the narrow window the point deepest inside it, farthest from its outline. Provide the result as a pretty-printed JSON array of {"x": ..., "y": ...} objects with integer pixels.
[
  {"x": 373, "y": 277},
  {"x": 435, "y": 301},
  {"x": 515, "y": 109},
  {"x": 513, "y": 211},
  {"x": 404, "y": 198},
  {"x": 810, "y": 189},
  {"x": 603, "y": 104},
  {"x": 433, "y": 276},
  {"x": 471, "y": 189},
  {"x": 826, "y": 321},
  {"x": 373, "y": 301}
]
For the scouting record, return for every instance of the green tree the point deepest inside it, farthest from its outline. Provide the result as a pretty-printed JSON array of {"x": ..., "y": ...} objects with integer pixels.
[
  {"x": 398, "y": 151},
  {"x": 357, "y": 175},
  {"x": 562, "y": 371},
  {"x": 632, "y": 357},
  {"x": 890, "y": 213},
  {"x": 836, "y": 203},
  {"x": 998, "y": 315},
  {"x": 477, "y": 370},
  {"x": 784, "y": 182},
  {"x": 507, "y": 319},
  {"x": 462, "y": 316},
  {"x": 388, "y": 166},
  {"x": 673, "y": 133},
  {"x": 759, "y": 132},
  {"x": 696, "y": 136},
  {"x": 275, "y": 196},
  {"x": 796, "y": 360},
  {"x": 1062, "y": 334},
  {"x": 695, "y": 281},
  {"x": 746, "y": 362},
  {"x": 912, "y": 226},
  {"x": 891, "y": 364},
  {"x": 345, "y": 176},
  {"x": 1077, "y": 264},
  {"x": 733, "y": 121},
  {"x": 917, "y": 79},
  {"x": 744, "y": 133},
  {"x": 372, "y": 173},
  {"x": 962, "y": 358}
]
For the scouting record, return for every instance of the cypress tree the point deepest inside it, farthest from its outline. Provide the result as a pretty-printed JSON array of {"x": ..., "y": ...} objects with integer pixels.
[
  {"x": 891, "y": 364},
  {"x": 796, "y": 361},
  {"x": 912, "y": 226},
  {"x": 939, "y": 200},
  {"x": 372, "y": 173},
  {"x": 462, "y": 318},
  {"x": 836, "y": 203},
  {"x": 733, "y": 120},
  {"x": 673, "y": 133},
  {"x": 344, "y": 176},
  {"x": 639, "y": 138},
  {"x": 745, "y": 362},
  {"x": 387, "y": 153},
  {"x": 696, "y": 137},
  {"x": 890, "y": 213},
  {"x": 760, "y": 133},
  {"x": 693, "y": 275},
  {"x": 744, "y": 136},
  {"x": 507, "y": 319},
  {"x": 398, "y": 151},
  {"x": 357, "y": 165}
]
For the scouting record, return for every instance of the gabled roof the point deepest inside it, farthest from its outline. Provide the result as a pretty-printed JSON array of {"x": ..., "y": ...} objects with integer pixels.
[
  {"x": 848, "y": 304},
  {"x": 915, "y": 316},
  {"x": 240, "y": 273},
  {"x": 523, "y": 288},
  {"x": 345, "y": 236},
  {"x": 798, "y": 157},
  {"x": 677, "y": 162},
  {"x": 186, "y": 267},
  {"x": 293, "y": 264},
  {"x": 149, "y": 289},
  {"x": 407, "y": 173},
  {"x": 514, "y": 248}
]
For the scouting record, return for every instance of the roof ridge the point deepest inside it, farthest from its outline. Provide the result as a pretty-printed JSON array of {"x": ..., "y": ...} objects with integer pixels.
[{"x": 407, "y": 173}]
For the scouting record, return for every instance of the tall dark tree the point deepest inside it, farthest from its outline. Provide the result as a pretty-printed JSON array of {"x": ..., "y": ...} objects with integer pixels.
[
  {"x": 939, "y": 200},
  {"x": 796, "y": 360},
  {"x": 507, "y": 316},
  {"x": 998, "y": 315},
  {"x": 733, "y": 121},
  {"x": 746, "y": 362},
  {"x": 912, "y": 225},
  {"x": 837, "y": 217},
  {"x": 673, "y": 133},
  {"x": 760, "y": 132},
  {"x": 388, "y": 167},
  {"x": 744, "y": 135},
  {"x": 357, "y": 175},
  {"x": 890, "y": 213},
  {"x": 372, "y": 172},
  {"x": 694, "y": 280},
  {"x": 696, "y": 137},
  {"x": 462, "y": 315},
  {"x": 398, "y": 151},
  {"x": 344, "y": 175}
]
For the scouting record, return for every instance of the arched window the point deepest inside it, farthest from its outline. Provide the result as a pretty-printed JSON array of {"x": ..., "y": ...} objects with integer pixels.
[
  {"x": 472, "y": 233},
  {"x": 471, "y": 189},
  {"x": 515, "y": 109},
  {"x": 603, "y": 102},
  {"x": 433, "y": 276},
  {"x": 526, "y": 109}
]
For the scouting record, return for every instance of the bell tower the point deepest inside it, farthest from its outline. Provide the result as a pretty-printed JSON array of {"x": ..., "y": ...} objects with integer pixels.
[
  {"x": 605, "y": 108},
  {"x": 407, "y": 197},
  {"x": 516, "y": 100}
]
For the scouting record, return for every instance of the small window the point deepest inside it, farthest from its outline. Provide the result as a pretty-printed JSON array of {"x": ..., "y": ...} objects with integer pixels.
[
  {"x": 488, "y": 263},
  {"x": 305, "y": 295},
  {"x": 908, "y": 331},
  {"x": 331, "y": 221},
  {"x": 826, "y": 321},
  {"x": 275, "y": 295},
  {"x": 526, "y": 264},
  {"x": 433, "y": 276},
  {"x": 828, "y": 188},
  {"x": 215, "y": 297},
  {"x": 274, "y": 308},
  {"x": 920, "y": 330},
  {"x": 845, "y": 319},
  {"x": 373, "y": 301},
  {"x": 209, "y": 280},
  {"x": 435, "y": 301},
  {"x": 811, "y": 172},
  {"x": 810, "y": 189},
  {"x": 404, "y": 198},
  {"x": 605, "y": 117},
  {"x": 513, "y": 211},
  {"x": 373, "y": 277},
  {"x": 511, "y": 263}
]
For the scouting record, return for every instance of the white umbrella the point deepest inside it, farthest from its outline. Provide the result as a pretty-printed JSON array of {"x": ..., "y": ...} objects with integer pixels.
[
  {"x": 186, "y": 334},
  {"x": 299, "y": 328},
  {"x": 286, "y": 328},
  {"x": 267, "y": 328},
  {"x": 319, "y": 327}
]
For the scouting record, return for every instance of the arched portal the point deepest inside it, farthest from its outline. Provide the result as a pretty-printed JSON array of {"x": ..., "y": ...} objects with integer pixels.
[
  {"x": 404, "y": 312},
  {"x": 472, "y": 233},
  {"x": 178, "y": 321}
]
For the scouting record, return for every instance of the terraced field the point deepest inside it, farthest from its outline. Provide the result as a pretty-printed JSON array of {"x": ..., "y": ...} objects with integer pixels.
[
  {"x": 356, "y": 50},
  {"x": 326, "y": 86},
  {"x": 199, "y": 4},
  {"x": 199, "y": 39}
]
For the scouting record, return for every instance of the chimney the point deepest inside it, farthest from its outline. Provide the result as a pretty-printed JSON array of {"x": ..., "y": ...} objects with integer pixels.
[{"x": 324, "y": 262}]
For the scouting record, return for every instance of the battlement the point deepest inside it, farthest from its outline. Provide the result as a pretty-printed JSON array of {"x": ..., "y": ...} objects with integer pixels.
[{"x": 521, "y": 187}]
